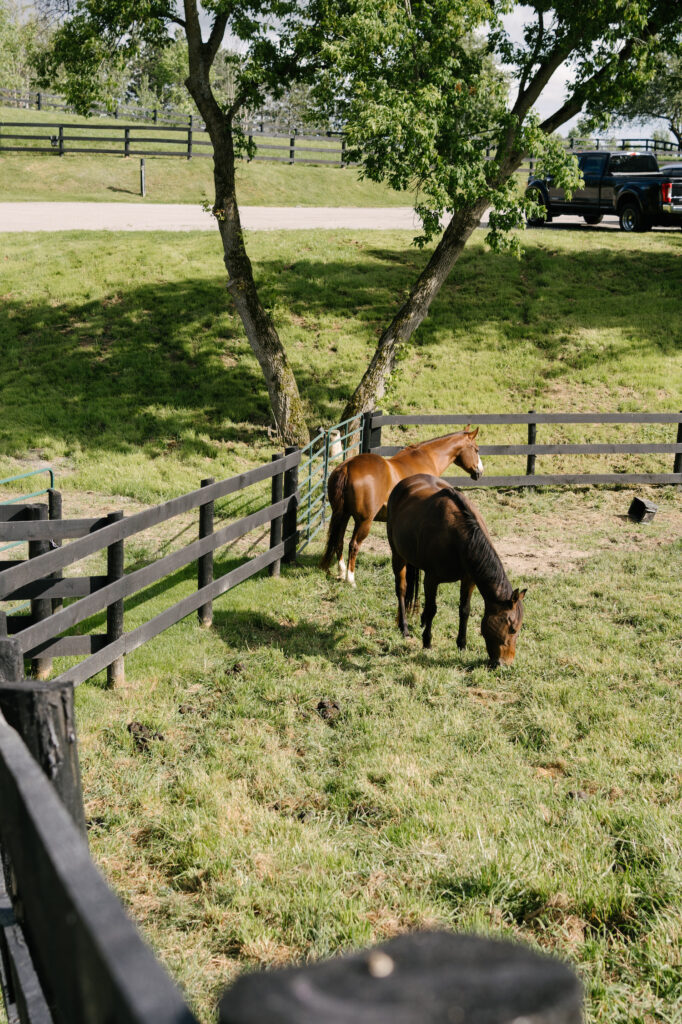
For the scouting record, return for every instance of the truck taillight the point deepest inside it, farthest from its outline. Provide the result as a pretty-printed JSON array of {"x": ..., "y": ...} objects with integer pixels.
[{"x": 667, "y": 192}]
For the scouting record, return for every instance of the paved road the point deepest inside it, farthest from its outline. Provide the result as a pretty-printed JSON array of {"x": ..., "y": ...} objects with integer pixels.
[
  {"x": 172, "y": 217},
  {"x": 177, "y": 217}
]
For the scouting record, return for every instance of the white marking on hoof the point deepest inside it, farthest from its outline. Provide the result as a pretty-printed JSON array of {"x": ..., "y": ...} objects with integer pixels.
[
  {"x": 342, "y": 569},
  {"x": 351, "y": 578}
]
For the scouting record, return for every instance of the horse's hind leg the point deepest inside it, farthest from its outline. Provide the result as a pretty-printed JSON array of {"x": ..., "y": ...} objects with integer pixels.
[
  {"x": 345, "y": 516},
  {"x": 400, "y": 573},
  {"x": 362, "y": 528},
  {"x": 465, "y": 591},
  {"x": 430, "y": 608}
]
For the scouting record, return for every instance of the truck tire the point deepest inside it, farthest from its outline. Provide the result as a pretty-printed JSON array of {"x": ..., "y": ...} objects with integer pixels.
[
  {"x": 631, "y": 217},
  {"x": 593, "y": 218},
  {"x": 536, "y": 195}
]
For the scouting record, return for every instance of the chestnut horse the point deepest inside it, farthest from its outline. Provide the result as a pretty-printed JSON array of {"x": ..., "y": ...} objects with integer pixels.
[
  {"x": 433, "y": 527},
  {"x": 360, "y": 487}
]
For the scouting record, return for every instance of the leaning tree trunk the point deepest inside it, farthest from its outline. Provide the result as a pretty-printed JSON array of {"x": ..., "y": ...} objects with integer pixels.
[
  {"x": 410, "y": 315},
  {"x": 263, "y": 338}
]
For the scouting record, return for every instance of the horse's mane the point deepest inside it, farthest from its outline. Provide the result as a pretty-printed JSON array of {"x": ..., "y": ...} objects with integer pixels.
[
  {"x": 430, "y": 440},
  {"x": 483, "y": 559}
]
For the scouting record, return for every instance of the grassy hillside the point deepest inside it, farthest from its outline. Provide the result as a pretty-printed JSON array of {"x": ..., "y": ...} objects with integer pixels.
[
  {"x": 86, "y": 177},
  {"x": 541, "y": 803},
  {"x": 144, "y": 377}
]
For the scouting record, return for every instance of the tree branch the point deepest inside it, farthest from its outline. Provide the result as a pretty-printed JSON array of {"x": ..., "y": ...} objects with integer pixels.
[
  {"x": 534, "y": 55},
  {"x": 212, "y": 45}
]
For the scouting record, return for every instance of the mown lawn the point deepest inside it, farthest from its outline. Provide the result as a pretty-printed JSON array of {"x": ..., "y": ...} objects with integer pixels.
[
  {"x": 77, "y": 177},
  {"x": 269, "y": 825}
]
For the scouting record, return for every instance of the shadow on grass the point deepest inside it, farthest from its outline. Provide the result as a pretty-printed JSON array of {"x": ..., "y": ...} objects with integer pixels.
[{"x": 156, "y": 364}]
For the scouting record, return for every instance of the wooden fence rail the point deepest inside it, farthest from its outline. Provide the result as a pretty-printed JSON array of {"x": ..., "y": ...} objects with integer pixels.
[
  {"x": 532, "y": 449},
  {"x": 186, "y": 141},
  {"x": 40, "y": 636}
]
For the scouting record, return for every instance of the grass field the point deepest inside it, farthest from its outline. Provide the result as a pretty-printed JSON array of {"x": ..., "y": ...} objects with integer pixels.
[
  {"x": 541, "y": 803},
  {"x": 81, "y": 176}
]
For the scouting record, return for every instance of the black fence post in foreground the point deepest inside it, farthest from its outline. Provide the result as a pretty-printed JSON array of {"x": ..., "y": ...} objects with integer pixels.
[
  {"x": 289, "y": 518},
  {"x": 677, "y": 465},
  {"x": 530, "y": 459},
  {"x": 424, "y": 978},
  {"x": 189, "y": 136},
  {"x": 276, "y": 524},
  {"x": 41, "y": 607},
  {"x": 292, "y": 149},
  {"x": 43, "y": 715},
  {"x": 205, "y": 562},
  {"x": 115, "y": 558}
]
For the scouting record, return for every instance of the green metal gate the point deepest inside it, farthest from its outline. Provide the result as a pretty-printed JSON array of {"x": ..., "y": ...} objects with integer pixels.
[{"x": 328, "y": 449}]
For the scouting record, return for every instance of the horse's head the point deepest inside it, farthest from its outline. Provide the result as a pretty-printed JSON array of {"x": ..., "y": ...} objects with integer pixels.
[
  {"x": 468, "y": 458},
  {"x": 500, "y": 628}
]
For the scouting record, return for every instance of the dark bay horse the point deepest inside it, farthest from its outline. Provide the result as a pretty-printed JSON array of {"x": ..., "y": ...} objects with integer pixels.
[
  {"x": 433, "y": 527},
  {"x": 360, "y": 487}
]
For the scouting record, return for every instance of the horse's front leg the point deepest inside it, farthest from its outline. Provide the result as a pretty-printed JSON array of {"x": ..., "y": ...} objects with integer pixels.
[
  {"x": 465, "y": 590},
  {"x": 400, "y": 573},
  {"x": 430, "y": 608}
]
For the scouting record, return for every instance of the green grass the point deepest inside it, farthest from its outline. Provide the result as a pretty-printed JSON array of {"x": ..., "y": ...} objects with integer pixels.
[
  {"x": 125, "y": 364},
  {"x": 541, "y": 803},
  {"x": 80, "y": 176}
]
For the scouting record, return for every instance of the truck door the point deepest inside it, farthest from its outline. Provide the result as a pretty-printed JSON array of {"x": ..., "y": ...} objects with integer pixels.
[{"x": 587, "y": 198}]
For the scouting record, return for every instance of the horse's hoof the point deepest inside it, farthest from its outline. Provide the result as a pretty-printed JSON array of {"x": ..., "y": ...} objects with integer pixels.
[{"x": 462, "y": 644}]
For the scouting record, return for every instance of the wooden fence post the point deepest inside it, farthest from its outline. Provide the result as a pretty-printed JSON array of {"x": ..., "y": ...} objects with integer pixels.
[
  {"x": 54, "y": 505},
  {"x": 126, "y": 141},
  {"x": 530, "y": 459},
  {"x": 428, "y": 977},
  {"x": 289, "y": 518},
  {"x": 365, "y": 431},
  {"x": 189, "y": 137},
  {"x": 677, "y": 465},
  {"x": 205, "y": 562},
  {"x": 374, "y": 432},
  {"x": 115, "y": 558},
  {"x": 61, "y": 140},
  {"x": 292, "y": 149},
  {"x": 276, "y": 524},
  {"x": 43, "y": 715},
  {"x": 41, "y": 607},
  {"x": 343, "y": 151}
]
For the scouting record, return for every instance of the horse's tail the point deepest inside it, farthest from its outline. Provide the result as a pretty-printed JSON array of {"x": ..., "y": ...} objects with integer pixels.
[
  {"x": 336, "y": 488},
  {"x": 412, "y": 589}
]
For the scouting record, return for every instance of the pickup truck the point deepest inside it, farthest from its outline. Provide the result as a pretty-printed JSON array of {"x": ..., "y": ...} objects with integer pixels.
[{"x": 629, "y": 186}]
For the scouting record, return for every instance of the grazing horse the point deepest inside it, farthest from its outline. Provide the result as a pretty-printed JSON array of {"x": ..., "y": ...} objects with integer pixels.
[
  {"x": 433, "y": 527},
  {"x": 360, "y": 487}
]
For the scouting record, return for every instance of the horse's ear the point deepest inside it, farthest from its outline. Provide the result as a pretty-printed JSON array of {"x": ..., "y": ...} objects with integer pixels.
[
  {"x": 467, "y": 428},
  {"x": 519, "y": 595},
  {"x": 475, "y": 432}
]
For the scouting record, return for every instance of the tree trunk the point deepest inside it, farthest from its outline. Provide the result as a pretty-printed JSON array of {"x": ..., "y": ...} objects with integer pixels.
[
  {"x": 409, "y": 317},
  {"x": 285, "y": 401}
]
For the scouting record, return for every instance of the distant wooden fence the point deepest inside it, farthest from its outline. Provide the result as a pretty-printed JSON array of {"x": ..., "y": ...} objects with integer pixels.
[
  {"x": 186, "y": 141},
  {"x": 531, "y": 450}
]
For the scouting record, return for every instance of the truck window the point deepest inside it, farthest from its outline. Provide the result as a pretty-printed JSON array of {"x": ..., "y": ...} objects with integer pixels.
[
  {"x": 635, "y": 163},
  {"x": 591, "y": 164}
]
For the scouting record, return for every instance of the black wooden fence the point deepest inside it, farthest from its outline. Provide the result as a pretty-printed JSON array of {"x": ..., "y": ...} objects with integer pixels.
[
  {"x": 39, "y": 578},
  {"x": 532, "y": 449},
  {"x": 187, "y": 141}
]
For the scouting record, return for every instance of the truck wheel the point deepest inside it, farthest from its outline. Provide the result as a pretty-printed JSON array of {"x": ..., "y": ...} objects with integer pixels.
[
  {"x": 594, "y": 218},
  {"x": 631, "y": 218},
  {"x": 536, "y": 195}
]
